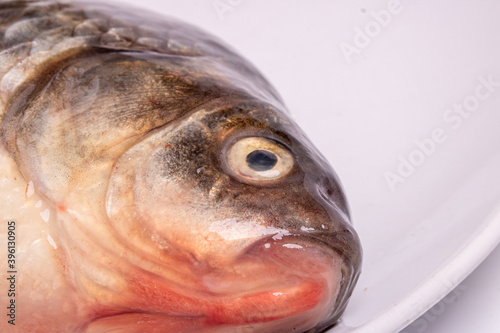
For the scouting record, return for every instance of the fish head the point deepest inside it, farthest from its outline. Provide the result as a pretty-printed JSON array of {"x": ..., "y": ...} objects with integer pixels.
[
  {"x": 237, "y": 195},
  {"x": 186, "y": 195}
]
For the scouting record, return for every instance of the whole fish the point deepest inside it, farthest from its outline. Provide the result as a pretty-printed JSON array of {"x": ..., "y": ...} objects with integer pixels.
[{"x": 153, "y": 181}]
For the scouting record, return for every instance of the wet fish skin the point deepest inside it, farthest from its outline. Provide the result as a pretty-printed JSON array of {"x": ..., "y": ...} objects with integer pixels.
[{"x": 123, "y": 122}]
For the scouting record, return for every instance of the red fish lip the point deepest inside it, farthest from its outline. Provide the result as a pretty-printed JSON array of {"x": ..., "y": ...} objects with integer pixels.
[
  {"x": 306, "y": 283},
  {"x": 136, "y": 322},
  {"x": 260, "y": 308}
]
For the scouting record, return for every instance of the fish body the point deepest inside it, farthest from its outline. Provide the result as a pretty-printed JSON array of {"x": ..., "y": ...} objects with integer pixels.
[{"x": 153, "y": 181}]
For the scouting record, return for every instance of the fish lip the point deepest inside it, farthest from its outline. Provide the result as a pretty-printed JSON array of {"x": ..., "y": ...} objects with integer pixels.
[
  {"x": 148, "y": 313},
  {"x": 341, "y": 243},
  {"x": 118, "y": 319},
  {"x": 223, "y": 313},
  {"x": 231, "y": 311},
  {"x": 332, "y": 244},
  {"x": 327, "y": 247}
]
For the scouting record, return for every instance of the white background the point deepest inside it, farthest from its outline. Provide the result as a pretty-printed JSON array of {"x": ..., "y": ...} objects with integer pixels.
[{"x": 365, "y": 109}]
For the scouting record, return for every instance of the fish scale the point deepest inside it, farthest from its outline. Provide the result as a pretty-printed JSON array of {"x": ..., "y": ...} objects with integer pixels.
[{"x": 44, "y": 32}]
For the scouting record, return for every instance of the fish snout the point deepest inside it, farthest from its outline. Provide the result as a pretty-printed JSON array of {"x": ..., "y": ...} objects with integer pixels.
[{"x": 296, "y": 278}]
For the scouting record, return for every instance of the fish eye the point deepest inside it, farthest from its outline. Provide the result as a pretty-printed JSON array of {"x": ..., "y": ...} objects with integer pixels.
[{"x": 258, "y": 160}]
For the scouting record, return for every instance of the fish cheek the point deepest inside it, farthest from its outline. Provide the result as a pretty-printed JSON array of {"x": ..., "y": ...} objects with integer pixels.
[{"x": 160, "y": 196}]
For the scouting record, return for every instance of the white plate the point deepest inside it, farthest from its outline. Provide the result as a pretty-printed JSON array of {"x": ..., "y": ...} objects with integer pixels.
[
  {"x": 365, "y": 111},
  {"x": 471, "y": 307}
]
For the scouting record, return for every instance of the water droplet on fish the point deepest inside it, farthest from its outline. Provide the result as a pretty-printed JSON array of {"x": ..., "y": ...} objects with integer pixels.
[
  {"x": 293, "y": 246},
  {"x": 45, "y": 215},
  {"x": 30, "y": 190},
  {"x": 51, "y": 242}
]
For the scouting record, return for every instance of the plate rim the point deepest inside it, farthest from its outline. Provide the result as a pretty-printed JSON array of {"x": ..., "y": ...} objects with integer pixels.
[{"x": 437, "y": 286}]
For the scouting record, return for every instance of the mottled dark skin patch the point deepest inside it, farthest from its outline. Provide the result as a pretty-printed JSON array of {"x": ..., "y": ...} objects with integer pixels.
[
  {"x": 196, "y": 157},
  {"x": 185, "y": 156}
]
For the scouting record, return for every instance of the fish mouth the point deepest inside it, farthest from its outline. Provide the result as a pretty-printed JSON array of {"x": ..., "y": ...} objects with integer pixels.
[{"x": 275, "y": 286}]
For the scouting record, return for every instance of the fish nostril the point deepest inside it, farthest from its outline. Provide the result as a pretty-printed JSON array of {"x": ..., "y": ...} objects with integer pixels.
[
  {"x": 326, "y": 193},
  {"x": 329, "y": 191}
]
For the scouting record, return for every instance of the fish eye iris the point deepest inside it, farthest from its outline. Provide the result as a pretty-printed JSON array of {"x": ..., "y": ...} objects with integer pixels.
[
  {"x": 258, "y": 160},
  {"x": 261, "y": 160}
]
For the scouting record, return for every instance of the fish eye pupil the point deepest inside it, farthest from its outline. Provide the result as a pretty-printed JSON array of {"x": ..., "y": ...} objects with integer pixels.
[{"x": 261, "y": 160}]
